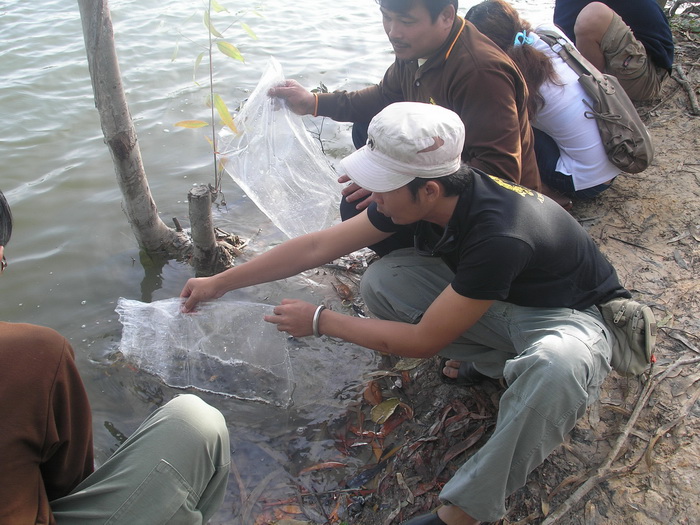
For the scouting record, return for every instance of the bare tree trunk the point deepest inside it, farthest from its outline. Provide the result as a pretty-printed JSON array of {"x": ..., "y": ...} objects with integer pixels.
[
  {"x": 203, "y": 238},
  {"x": 151, "y": 232}
]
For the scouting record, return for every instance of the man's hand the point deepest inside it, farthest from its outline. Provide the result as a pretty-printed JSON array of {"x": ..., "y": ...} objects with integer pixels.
[
  {"x": 299, "y": 99},
  {"x": 294, "y": 317},
  {"x": 354, "y": 193},
  {"x": 198, "y": 290}
]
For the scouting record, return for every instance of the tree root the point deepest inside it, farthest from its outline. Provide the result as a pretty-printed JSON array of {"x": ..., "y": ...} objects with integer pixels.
[{"x": 606, "y": 471}]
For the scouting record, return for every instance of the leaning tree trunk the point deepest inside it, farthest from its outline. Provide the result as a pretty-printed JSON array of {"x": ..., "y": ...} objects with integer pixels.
[{"x": 151, "y": 232}]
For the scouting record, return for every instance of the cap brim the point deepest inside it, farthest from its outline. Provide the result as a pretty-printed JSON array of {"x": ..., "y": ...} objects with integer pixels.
[{"x": 363, "y": 168}]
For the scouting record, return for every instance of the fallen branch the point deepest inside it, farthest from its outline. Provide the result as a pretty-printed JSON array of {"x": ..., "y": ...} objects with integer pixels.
[
  {"x": 606, "y": 471},
  {"x": 685, "y": 84}
]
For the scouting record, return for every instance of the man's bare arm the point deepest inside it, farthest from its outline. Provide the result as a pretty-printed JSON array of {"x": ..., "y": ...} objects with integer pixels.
[
  {"x": 287, "y": 259},
  {"x": 448, "y": 317}
]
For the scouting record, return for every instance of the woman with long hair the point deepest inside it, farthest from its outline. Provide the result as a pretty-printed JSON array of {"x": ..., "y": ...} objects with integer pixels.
[{"x": 570, "y": 154}]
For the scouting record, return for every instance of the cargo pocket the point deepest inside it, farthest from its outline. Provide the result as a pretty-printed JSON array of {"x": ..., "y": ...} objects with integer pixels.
[{"x": 156, "y": 500}]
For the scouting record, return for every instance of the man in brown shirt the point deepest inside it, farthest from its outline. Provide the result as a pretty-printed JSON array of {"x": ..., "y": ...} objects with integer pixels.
[
  {"x": 174, "y": 467},
  {"x": 46, "y": 437},
  {"x": 440, "y": 59}
]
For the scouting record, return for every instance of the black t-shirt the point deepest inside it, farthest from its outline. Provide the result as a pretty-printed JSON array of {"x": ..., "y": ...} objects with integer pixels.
[
  {"x": 508, "y": 243},
  {"x": 646, "y": 19}
]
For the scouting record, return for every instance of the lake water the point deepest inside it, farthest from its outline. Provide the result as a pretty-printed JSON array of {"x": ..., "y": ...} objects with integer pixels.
[{"x": 73, "y": 255}]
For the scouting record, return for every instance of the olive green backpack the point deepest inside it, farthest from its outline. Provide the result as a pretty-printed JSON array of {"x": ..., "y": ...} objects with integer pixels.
[{"x": 625, "y": 137}]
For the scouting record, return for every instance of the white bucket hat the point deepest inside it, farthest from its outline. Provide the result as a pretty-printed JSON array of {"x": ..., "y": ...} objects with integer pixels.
[{"x": 404, "y": 141}]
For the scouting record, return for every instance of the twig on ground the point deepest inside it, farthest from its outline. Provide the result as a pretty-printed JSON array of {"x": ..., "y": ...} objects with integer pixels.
[
  {"x": 631, "y": 243},
  {"x": 663, "y": 101},
  {"x": 685, "y": 84},
  {"x": 687, "y": 407},
  {"x": 605, "y": 470}
]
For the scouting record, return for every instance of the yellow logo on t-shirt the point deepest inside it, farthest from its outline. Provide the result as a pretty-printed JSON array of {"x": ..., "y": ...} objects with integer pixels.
[
  {"x": 520, "y": 190},
  {"x": 432, "y": 101}
]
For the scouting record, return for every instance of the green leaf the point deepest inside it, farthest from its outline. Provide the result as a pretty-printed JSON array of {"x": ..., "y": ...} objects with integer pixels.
[
  {"x": 248, "y": 30},
  {"x": 192, "y": 124},
  {"x": 197, "y": 61},
  {"x": 230, "y": 50},
  {"x": 383, "y": 411},
  {"x": 223, "y": 112},
  {"x": 210, "y": 26},
  {"x": 218, "y": 7}
]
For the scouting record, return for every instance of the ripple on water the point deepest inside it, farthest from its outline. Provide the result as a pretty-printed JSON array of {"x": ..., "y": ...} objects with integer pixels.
[{"x": 71, "y": 241}]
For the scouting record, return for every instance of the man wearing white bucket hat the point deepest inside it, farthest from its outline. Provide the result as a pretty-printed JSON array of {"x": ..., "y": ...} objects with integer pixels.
[{"x": 500, "y": 277}]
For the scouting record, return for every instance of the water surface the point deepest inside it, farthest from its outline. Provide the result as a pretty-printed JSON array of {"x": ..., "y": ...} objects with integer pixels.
[{"x": 73, "y": 255}]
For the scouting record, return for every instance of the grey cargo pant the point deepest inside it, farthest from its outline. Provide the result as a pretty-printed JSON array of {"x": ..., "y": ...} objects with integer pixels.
[
  {"x": 173, "y": 469},
  {"x": 554, "y": 361}
]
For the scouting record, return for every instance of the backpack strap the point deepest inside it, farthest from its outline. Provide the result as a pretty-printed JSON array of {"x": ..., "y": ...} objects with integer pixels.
[{"x": 574, "y": 59}]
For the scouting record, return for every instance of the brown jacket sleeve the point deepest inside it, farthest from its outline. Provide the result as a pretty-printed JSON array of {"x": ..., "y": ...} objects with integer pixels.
[{"x": 363, "y": 104}]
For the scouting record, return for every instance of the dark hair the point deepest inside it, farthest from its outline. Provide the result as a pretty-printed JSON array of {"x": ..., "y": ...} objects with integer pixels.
[
  {"x": 499, "y": 21},
  {"x": 5, "y": 221},
  {"x": 453, "y": 184},
  {"x": 434, "y": 7}
]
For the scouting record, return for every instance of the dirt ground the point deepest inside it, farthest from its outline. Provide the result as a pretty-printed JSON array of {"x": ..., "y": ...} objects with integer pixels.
[{"x": 634, "y": 457}]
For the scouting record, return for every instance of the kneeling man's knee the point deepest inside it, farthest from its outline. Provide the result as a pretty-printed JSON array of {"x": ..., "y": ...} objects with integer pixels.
[
  {"x": 208, "y": 421},
  {"x": 593, "y": 21}
]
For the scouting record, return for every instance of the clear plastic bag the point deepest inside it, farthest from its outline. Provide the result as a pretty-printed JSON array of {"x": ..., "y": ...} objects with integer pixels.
[
  {"x": 278, "y": 164},
  {"x": 224, "y": 347}
]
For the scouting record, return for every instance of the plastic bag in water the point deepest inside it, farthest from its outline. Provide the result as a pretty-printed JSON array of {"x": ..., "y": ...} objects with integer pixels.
[
  {"x": 278, "y": 164},
  {"x": 224, "y": 347}
]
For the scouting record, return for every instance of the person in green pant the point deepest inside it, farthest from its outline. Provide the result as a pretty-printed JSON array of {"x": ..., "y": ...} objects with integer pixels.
[{"x": 173, "y": 469}]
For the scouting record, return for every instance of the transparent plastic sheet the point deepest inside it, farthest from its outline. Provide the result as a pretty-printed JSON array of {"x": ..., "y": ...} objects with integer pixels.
[
  {"x": 224, "y": 347},
  {"x": 278, "y": 164}
]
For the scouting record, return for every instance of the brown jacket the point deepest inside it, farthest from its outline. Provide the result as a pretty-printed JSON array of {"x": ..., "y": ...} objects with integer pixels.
[
  {"x": 45, "y": 423},
  {"x": 471, "y": 76}
]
